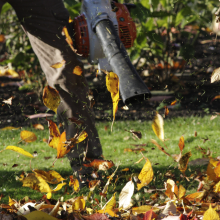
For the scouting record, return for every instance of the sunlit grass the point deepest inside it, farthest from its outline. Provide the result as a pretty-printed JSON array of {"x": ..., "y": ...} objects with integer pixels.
[{"x": 113, "y": 144}]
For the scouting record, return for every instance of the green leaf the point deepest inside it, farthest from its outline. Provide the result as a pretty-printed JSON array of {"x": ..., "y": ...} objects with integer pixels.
[
  {"x": 5, "y": 8},
  {"x": 182, "y": 14},
  {"x": 18, "y": 58},
  {"x": 155, "y": 38},
  {"x": 135, "y": 54},
  {"x": 140, "y": 12},
  {"x": 160, "y": 14}
]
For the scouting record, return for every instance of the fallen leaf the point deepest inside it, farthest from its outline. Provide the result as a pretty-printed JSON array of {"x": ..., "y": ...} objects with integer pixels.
[
  {"x": 174, "y": 102},
  {"x": 36, "y": 215},
  {"x": 215, "y": 75},
  {"x": 58, "y": 64},
  {"x": 112, "y": 83},
  {"x": 11, "y": 202},
  {"x": 96, "y": 216},
  {"x": 136, "y": 134},
  {"x": 8, "y": 101},
  {"x": 134, "y": 150},
  {"x": 110, "y": 204},
  {"x": 170, "y": 208},
  {"x": 9, "y": 128},
  {"x": 19, "y": 150},
  {"x": 182, "y": 191},
  {"x": 51, "y": 98},
  {"x": 146, "y": 175},
  {"x": 157, "y": 126},
  {"x": 184, "y": 162},
  {"x": 38, "y": 126},
  {"x": 15, "y": 165},
  {"x": 211, "y": 174},
  {"x": 159, "y": 147},
  {"x": 125, "y": 195},
  {"x": 213, "y": 117},
  {"x": 125, "y": 169},
  {"x": 211, "y": 214},
  {"x": 194, "y": 196},
  {"x": 74, "y": 183},
  {"x": 28, "y": 136},
  {"x": 77, "y": 70},
  {"x": 148, "y": 215},
  {"x": 195, "y": 134},
  {"x": 181, "y": 143}
]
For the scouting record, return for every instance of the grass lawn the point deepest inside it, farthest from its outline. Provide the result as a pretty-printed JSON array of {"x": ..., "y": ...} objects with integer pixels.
[{"x": 113, "y": 144}]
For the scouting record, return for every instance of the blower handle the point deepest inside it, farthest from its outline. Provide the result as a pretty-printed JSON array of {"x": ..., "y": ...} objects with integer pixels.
[{"x": 131, "y": 85}]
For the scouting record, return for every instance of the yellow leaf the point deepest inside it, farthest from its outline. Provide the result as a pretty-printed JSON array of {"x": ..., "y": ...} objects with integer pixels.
[
  {"x": 54, "y": 134},
  {"x": 112, "y": 83},
  {"x": 110, "y": 204},
  {"x": 194, "y": 196},
  {"x": 217, "y": 170},
  {"x": 157, "y": 126},
  {"x": 181, "y": 143},
  {"x": 109, "y": 211},
  {"x": 215, "y": 75},
  {"x": 58, "y": 65},
  {"x": 42, "y": 184},
  {"x": 38, "y": 127},
  {"x": 11, "y": 202},
  {"x": 50, "y": 176},
  {"x": 74, "y": 183},
  {"x": 77, "y": 70},
  {"x": 125, "y": 169},
  {"x": 78, "y": 204},
  {"x": 49, "y": 195},
  {"x": 82, "y": 137},
  {"x": 182, "y": 191},
  {"x": 37, "y": 215},
  {"x": 51, "y": 98},
  {"x": 183, "y": 163},
  {"x": 211, "y": 214},
  {"x": 59, "y": 187},
  {"x": 143, "y": 209},
  {"x": 12, "y": 73},
  {"x": 28, "y": 136},
  {"x": 146, "y": 175},
  {"x": 217, "y": 187},
  {"x": 211, "y": 170},
  {"x": 9, "y": 128},
  {"x": 2, "y": 38},
  {"x": 19, "y": 150},
  {"x": 61, "y": 149}
]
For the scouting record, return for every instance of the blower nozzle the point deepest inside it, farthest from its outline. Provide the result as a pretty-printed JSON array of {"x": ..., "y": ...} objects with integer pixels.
[{"x": 131, "y": 85}]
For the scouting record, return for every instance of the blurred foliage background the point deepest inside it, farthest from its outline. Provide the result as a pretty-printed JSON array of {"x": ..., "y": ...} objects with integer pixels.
[{"x": 167, "y": 31}]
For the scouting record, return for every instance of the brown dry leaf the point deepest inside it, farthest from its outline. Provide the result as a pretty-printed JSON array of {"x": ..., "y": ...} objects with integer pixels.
[
  {"x": 2, "y": 38},
  {"x": 136, "y": 134},
  {"x": 76, "y": 120},
  {"x": 58, "y": 64},
  {"x": 169, "y": 193},
  {"x": 78, "y": 204},
  {"x": 14, "y": 165},
  {"x": 74, "y": 183},
  {"x": 146, "y": 175},
  {"x": 98, "y": 164},
  {"x": 211, "y": 214},
  {"x": 215, "y": 75},
  {"x": 157, "y": 126},
  {"x": 19, "y": 150},
  {"x": 182, "y": 192},
  {"x": 93, "y": 184},
  {"x": 125, "y": 169},
  {"x": 28, "y": 136},
  {"x": 166, "y": 111},
  {"x": 38, "y": 126},
  {"x": 51, "y": 98},
  {"x": 181, "y": 143},
  {"x": 54, "y": 134},
  {"x": 174, "y": 102},
  {"x": 159, "y": 147},
  {"x": 195, "y": 134},
  {"x": 112, "y": 83},
  {"x": 8, "y": 101},
  {"x": 216, "y": 97},
  {"x": 213, "y": 117},
  {"x": 184, "y": 162},
  {"x": 77, "y": 70}
]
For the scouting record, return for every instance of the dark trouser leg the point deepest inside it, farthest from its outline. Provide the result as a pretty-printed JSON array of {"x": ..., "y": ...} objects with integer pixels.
[{"x": 44, "y": 20}]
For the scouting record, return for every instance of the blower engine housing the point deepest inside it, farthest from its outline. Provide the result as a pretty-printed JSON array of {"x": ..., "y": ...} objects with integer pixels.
[{"x": 86, "y": 40}]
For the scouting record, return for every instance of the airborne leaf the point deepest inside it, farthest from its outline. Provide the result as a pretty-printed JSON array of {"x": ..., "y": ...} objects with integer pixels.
[
  {"x": 78, "y": 204},
  {"x": 54, "y": 134},
  {"x": 112, "y": 83},
  {"x": 184, "y": 162},
  {"x": 181, "y": 143},
  {"x": 157, "y": 126},
  {"x": 99, "y": 164},
  {"x": 159, "y": 147},
  {"x": 58, "y": 64},
  {"x": 215, "y": 75},
  {"x": 146, "y": 175},
  {"x": 125, "y": 195},
  {"x": 51, "y": 98},
  {"x": 77, "y": 70}
]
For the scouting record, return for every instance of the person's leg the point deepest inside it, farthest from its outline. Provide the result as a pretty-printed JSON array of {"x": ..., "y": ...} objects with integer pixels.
[{"x": 43, "y": 21}]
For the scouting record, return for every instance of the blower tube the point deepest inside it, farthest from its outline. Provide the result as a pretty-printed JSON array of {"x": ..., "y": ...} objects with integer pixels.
[{"x": 131, "y": 86}]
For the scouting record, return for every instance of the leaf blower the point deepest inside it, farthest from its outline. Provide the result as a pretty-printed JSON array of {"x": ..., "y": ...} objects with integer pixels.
[{"x": 103, "y": 31}]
